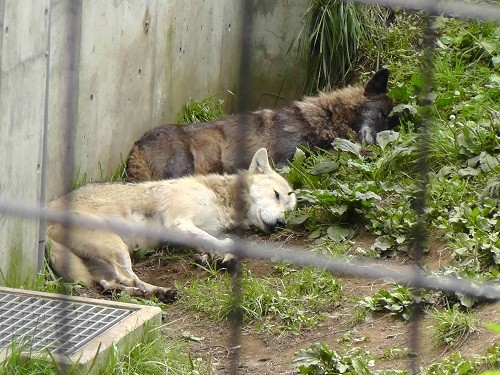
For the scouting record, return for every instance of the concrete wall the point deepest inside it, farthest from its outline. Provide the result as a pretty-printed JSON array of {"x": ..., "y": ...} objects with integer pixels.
[
  {"x": 278, "y": 76},
  {"x": 24, "y": 32},
  {"x": 137, "y": 63}
]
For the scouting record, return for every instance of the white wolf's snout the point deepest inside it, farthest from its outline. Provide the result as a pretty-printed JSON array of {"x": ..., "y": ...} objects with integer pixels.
[{"x": 271, "y": 226}]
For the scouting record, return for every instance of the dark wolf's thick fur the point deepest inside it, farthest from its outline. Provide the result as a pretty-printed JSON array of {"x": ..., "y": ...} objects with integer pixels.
[{"x": 172, "y": 151}]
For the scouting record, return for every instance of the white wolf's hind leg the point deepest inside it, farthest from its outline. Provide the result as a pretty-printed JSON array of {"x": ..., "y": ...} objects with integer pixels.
[{"x": 146, "y": 290}]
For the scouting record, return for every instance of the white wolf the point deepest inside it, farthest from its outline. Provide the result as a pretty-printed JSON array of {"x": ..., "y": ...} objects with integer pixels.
[{"x": 200, "y": 206}]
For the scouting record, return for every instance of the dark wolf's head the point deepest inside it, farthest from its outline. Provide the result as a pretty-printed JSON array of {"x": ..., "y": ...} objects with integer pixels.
[
  {"x": 373, "y": 114},
  {"x": 357, "y": 111}
]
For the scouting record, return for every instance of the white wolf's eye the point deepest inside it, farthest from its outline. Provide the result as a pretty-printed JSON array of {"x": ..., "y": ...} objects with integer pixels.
[{"x": 277, "y": 195}]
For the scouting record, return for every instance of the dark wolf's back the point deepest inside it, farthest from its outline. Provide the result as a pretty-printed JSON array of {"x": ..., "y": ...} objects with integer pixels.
[{"x": 172, "y": 151}]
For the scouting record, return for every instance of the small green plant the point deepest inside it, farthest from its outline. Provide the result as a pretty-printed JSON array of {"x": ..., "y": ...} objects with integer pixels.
[
  {"x": 45, "y": 280},
  {"x": 397, "y": 301},
  {"x": 452, "y": 326},
  {"x": 206, "y": 110},
  {"x": 455, "y": 363},
  {"x": 319, "y": 359},
  {"x": 119, "y": 174},
  {"x": 374, "y": 187},
  {"x": 395, "y": 352}
]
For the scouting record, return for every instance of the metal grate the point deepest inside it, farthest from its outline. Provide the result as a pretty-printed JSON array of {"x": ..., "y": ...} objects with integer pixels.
[{"x": 59, "y": 326}]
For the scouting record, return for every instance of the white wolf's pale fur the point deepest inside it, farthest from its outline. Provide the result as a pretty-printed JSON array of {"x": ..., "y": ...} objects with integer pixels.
[{"x": 201, "y": 206}]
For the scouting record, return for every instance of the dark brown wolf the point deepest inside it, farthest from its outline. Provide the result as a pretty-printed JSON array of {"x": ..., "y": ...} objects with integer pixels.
[{"x": 172, "y": 151}]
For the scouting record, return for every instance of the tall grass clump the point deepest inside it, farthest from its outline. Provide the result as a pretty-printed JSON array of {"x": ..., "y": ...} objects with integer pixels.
[
  {"x": 329, "y": 39},
  {"x": 452, "y": 326},
  {"x": 341, "y": 39}
]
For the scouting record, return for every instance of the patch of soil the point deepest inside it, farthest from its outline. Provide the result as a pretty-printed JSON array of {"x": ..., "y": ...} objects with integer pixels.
[{"x": 262, "y": 353}]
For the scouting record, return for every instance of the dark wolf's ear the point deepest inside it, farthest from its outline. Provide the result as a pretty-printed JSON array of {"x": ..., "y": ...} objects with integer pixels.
[
  {"x": 378, "y": 83},
  {"x": 260, "y": 162}
]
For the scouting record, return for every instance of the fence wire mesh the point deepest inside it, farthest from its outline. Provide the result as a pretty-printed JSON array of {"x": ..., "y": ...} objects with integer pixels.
[{"x": 413, "y": 275}]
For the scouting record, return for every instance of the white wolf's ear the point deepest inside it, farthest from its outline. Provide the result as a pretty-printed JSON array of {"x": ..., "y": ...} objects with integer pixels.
[{"x": 260, "y": 162}]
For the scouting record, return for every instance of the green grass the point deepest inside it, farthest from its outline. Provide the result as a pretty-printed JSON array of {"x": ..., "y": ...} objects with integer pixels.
[
  {"x": 206, "y": 110},
  {"x": 119, "y": 174},
  {"x": 44, "y": 281},
  {"x": 344, "y": 190},
  {"x": 452, "y": 326},
  {"x": 319, "y": 359},
  {"x": 153, "y": 354},
  {"x": 17, "y": 364},
  {"x": 288, "y": 301}
]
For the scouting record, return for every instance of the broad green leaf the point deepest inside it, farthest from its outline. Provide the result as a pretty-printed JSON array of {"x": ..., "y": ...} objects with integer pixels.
[
  {"x": 496, "y": 60},
  {"x": 488, "y": 162},
  {"x": 338, "y": 234},
  {"x": 400, "y": 92},
  {"x": 466, "y": 301},
  {"x": 494, "y": 81},
  {"x": 338, "y": 210},
  {"x": 489, "y": 45},
  {"x": 446, "y": 99},
  {"x": 383, "y": 243},
  {"x": 493, "y": 327},
  {"x": 298, "y": 157},
  {"x": 400, "y": 239},
  {"x": 346, "y": 145},
  {"x": 367, "y": 195},
  {"x": 401, "y": 107},
  {"x": 417, "y": 80},
  {"x": 325, "y": 167},
  {"x": 315, "y": 234},
  {"x": 385, "y": 137},
  {"x": 297, "y": 220},
  {"x": 469, "y": 171}
]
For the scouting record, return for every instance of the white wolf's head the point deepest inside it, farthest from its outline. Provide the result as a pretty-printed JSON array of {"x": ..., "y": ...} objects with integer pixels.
[{"x": 269, "y": 195}]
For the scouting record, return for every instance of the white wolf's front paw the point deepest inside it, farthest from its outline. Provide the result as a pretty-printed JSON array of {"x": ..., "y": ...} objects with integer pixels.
[{"x": 221, "y": 255}]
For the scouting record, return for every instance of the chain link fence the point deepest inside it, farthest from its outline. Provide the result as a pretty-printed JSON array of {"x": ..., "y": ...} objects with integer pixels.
[{"x": 411, "y": 275}]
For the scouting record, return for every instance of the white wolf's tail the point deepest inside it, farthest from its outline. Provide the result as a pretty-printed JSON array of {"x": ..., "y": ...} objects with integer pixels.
[{"x": 67, "y": 265}]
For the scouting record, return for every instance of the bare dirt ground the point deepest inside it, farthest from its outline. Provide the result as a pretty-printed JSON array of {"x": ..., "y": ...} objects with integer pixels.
[{"x": 272, "y": 354}]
